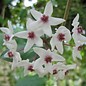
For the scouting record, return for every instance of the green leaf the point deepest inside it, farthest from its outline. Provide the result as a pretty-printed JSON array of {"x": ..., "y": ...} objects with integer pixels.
[
  {"x": 31, "y": 81},
  {"x": 31, "y": 55}
]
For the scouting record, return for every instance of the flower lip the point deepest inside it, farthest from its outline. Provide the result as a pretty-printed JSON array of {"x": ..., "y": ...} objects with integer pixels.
[
  {"x": 55, "y": 72},
  {"x": 7, "y": 37},
  {"x": 61, "y": 37},
  {"x": 48, "y": 59},
  {"x": 10, "y": 54},
  {"x": 44, "y": 18},
  {"x": 30, "y": 68},
  {"x": 80, "y": 30},
  {"x": 31, "y": 35}
]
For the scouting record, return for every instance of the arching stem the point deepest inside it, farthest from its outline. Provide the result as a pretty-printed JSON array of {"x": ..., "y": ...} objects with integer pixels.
[{"x": 68, "y": 5}]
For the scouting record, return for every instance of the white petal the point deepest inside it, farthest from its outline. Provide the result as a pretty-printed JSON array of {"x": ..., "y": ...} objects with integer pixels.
[
  {"x": 81, "y": 38},
  {"x": 12, "y": 45},
  {"x": 37, "y": 15},
  {"x": 36, "y": 25},
  {"x": 28, "y": 45},
  {"x": 59, "y": 47},
  {"x": 48, "y": 9},
  {"x": 25, "y": 71},
  {"x": 69, "y": 67},
  {"x": 22, "y": 34},
  {"x": 79, "y": 55},
  {"x": 6, "y": 54},
  {"x": 39, "y": 33},
  {"x": 10, "y": 26},
  {"x": 55, "y": 21},
  {"x": 23, "y": 63},
  {"x": 17, "y": 55},
  {"x": 48, "y": 68},
  {"x": 16, "y": 59},
  {"x": 67, "y": 36},
  {"x": 11, "y": 36},
  {"x": 5, "y": 30},
  {"x": 61, "y": 75},
  {"x": 40, "y": 51},
  {"x": 60, "y": 66},
  {"x": 14, "y": 63},
  {"x": 39, "y": 68},
  {"x": 47, "y": 30},
  {"x": 29, "y": 21},
  {"x": 75, "y": 21},
  {"x": 75, "y": 37},
  {"x": 76, "y": 54},
  {"x": 52, "y": 43},
  {"x": 57, "y": 57},
  {"x": 39, "y": 42}
]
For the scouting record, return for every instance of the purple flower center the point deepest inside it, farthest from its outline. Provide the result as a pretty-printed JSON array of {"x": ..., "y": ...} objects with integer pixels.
[
  {"x": 30, "y": 68},
  {"x": 61, "y": 37},
  {"x": 44, "y": 18},
  {"x": 80, "y": 30},
  {"x": 31, "y": 35},
  {"x": 48, "y": 59},
  {"x": 54, "y": 71},
  {"x": 10, "y": 54},
  {"x": 7, "y": 37},
  {"x": 80, "y": 48}
]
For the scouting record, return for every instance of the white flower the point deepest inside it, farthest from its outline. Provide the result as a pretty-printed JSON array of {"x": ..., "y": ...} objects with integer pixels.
[
  {"x": 47, "y": 56},
  {"x": 8, "y": 35},
  {"x": 39, "y": 69},
  {"x": 32, "y": 36},
  {"x": 59, "y": 70},
  {"x": 76, "y": 51},
  {"x": 8, "y": 31},
  {"x": 45, "y": 20},
  {"x": 13, "y": 54},
  {"x": 62, "y": 34},
  {"x": 28, "y": 66},
  {"x": 44, "y": 63},
  {"x": 78, "y": 31}
]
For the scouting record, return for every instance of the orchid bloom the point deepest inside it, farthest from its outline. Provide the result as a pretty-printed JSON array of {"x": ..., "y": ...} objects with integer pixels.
[
  {"x": 60, "y": 70},
  {"x": 76, "y": 51},
  {"x": 32, "y": 36},
  {"x": 13, "y": 54},
  {"x": 78, "y": 31},
  {"x": 46, "y": 59},
  {"x": 62, "y": 34},
  {"x": 28, "y": 66},
  {"x": 45, "y": 21},
  {"x": 8, "y": 32}
]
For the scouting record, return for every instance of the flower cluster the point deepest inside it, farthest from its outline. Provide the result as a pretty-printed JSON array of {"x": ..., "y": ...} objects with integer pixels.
[{"x": 50, "y": 60}]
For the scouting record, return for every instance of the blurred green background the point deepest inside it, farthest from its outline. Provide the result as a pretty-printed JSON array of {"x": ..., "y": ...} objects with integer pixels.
[{"x": 17, "y": 11}]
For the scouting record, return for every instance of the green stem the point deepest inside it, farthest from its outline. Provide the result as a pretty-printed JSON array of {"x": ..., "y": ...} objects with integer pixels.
[
  {"x": 3, "y": 13},
  {"x": 68, "y": 5}
]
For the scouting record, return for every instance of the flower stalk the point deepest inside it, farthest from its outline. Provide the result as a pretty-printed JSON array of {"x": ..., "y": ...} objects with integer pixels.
[{"x": 68, "y": 5}]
